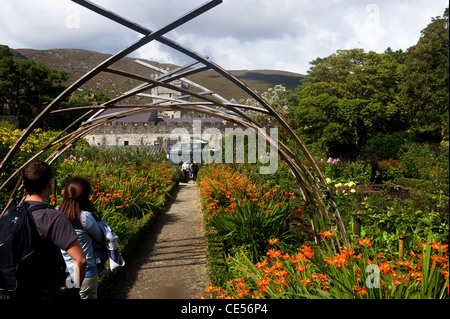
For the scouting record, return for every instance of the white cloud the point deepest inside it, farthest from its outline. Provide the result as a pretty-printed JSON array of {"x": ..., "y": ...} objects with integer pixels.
[{"x": 237, "y": 34}]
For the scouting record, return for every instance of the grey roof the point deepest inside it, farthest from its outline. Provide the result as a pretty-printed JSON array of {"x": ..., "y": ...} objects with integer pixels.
[
  {"x": 190, "y": 120},
  {"x": 139, "y": 118},
  {"x": 144, "y": 117}
]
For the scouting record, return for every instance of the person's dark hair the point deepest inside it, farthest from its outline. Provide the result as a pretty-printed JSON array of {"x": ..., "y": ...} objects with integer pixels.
[
  {"x": 36, "y": 177},
  {"x": 76, "y": 199}
]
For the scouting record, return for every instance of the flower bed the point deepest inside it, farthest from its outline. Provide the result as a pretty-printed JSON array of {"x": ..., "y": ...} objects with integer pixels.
[
  {"x": 353, "y": 273},
  {"x": 284, "y": 269},
  {"x": 127, "y": 197}
]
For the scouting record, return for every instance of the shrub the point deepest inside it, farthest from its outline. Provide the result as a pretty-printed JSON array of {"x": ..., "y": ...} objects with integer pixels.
[
  {"x": 385, "y": 146},
  {"x": 340, "y": 171},
  {"x": 390, "y": 170},
  {"x": 427, "y": 186},
  {"x": 418, "y": 161}
]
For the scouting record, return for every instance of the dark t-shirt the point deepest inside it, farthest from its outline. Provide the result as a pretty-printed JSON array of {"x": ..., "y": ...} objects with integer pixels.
[
  {"x": 56, "y": 233},
  {"x": 54, "y": 226}
]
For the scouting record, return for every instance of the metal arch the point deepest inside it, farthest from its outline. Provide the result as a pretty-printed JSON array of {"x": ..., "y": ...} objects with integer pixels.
[{"x": 309, "y": 178}]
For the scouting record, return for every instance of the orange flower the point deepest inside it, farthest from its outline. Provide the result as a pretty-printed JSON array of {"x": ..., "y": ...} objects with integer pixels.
[
  {"x": 262, "y": 264},
  {"x": 272, "y": 253},
  {"x": 406, "y": 263},
  {"x": 274, "y": 241},
  {"x": 439, "y": 247},
  {"x": 300, "y": 269},
  {"x": 327, "y": 234},
  {"x": 265, "y": 281},
  {"x": 278, "y": 264},
  {"x": 386, "y": 268},
  {"x": 360, "y": 291},
  {"x": 307, "y": 251},
  {"x": 364, "y": 242}
]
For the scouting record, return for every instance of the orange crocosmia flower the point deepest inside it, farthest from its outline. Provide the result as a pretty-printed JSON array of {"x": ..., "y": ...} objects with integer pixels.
[
  {"x": 364, "y": 242},
  {"x": 307, "y": 251},
  {"x": 360, "y": 290},
  {"x": 386, "y": 268},
  {"x": 278, "y": 264},
  {"x": 406, "y": 263},
  {"x": 274, "y": 241},
  {"x": 439, "y": 247},
  {"x": 272, "y": 253},
  {"x": 300, "y": 269},
  {"x": 265, "y": 281},
  {"x": 262, "y": 264},
  {"x": 327, "y": 234},
  {"x": 306, "y": 282}
]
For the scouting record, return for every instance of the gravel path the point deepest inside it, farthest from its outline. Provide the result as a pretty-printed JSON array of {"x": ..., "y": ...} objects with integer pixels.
[{"x": 171, "y": 262}]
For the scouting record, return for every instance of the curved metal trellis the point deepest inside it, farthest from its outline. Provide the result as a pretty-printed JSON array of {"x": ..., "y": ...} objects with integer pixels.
[{"x": 308, "y": 176}]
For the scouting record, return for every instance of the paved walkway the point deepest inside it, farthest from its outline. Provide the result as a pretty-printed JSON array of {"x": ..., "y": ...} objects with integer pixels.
[{"x": 171, "y": 262}]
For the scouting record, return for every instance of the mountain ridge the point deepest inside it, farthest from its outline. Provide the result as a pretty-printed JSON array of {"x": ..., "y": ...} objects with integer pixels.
[{"x": 77, "y": 62}]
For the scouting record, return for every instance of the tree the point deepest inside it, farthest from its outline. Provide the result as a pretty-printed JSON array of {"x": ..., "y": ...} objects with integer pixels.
[
  {"x": 347, "y": 97},
  {"x": 425, "y": 78},
  {"x": 85, "y": 98},
  {"x": 26, "y": 87},
  {"x": 276, "y": 97}
]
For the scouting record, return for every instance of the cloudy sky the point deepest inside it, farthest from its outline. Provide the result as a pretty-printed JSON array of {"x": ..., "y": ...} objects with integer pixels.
[{"x": 237, "y": 34}]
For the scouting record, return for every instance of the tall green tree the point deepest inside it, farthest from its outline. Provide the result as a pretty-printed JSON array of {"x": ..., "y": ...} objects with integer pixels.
[
  {"x": 26, "y": 87},
  {"x": 425, "y": 78},
  {"x": 347, "y": 97}
]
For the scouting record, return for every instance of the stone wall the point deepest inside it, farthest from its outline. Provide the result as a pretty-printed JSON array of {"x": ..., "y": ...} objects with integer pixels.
[{"x": 165, "y": 133}]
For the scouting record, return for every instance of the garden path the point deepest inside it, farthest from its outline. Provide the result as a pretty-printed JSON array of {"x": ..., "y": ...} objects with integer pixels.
[{"x": 171, "y": 261}]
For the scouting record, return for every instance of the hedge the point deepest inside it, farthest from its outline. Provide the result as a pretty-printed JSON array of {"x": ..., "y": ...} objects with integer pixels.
[{"x": 426, "y": 186}]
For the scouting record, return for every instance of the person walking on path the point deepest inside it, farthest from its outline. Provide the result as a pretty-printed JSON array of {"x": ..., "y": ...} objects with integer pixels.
[
  {"x": 194, "y": 170},
  {"x": 80, "y": 211},
  {"x": 186, "y": 171},
  {"x": 55, "y": 233}
]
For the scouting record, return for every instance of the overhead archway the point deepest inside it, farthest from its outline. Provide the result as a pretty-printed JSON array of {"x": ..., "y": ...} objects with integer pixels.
[{"x": 310, "y": 180}]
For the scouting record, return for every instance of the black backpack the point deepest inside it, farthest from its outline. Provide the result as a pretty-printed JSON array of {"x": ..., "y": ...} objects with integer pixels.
[{"x": 18, "y": 243}]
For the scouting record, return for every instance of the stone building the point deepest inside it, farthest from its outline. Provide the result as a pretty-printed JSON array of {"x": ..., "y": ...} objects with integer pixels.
[{"x": 142, "y": 130}]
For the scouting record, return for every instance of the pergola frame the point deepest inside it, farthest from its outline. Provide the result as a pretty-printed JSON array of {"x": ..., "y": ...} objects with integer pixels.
[{"x": 324, "y": 212}]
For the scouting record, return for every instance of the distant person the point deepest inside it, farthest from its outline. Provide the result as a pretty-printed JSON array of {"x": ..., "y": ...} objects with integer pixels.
[
  {"x": 80, "y": 211},
  {"x": 56, "y": 233},
  {"x": 186, "y": 171},
  {"x": 194, "y": 170}
]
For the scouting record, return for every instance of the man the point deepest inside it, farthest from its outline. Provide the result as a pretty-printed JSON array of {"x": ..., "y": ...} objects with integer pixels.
[
  {"x": 55, "y": 232},
  {"x": 194, "y": 170}
]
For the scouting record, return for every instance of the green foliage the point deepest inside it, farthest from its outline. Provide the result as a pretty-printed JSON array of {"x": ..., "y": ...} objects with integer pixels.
[
  {"x": 426, "y": 186},
  {"x": 384, "y": 217},
  {"x": 8, "y": 136},
  {"x": 347, "y": 97},
  {"x": 26, "y": 87},
  {"x": 424, "y": 161},
  {"x": 385, "y": 146},
  {"x": 425, "y": 77},
  {"x": 244, "y": 214},
  {"x": 341, "y": 172},
  {"x": 276, "y": 97},
  {"x": 119, "y": 156},
  {"x": 122, "y": 193}
]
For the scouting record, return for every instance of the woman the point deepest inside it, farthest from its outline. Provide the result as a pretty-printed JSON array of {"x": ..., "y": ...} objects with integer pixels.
[
  {"x": 185, "y": 169},
  {"x": 80, "y": 211}
]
